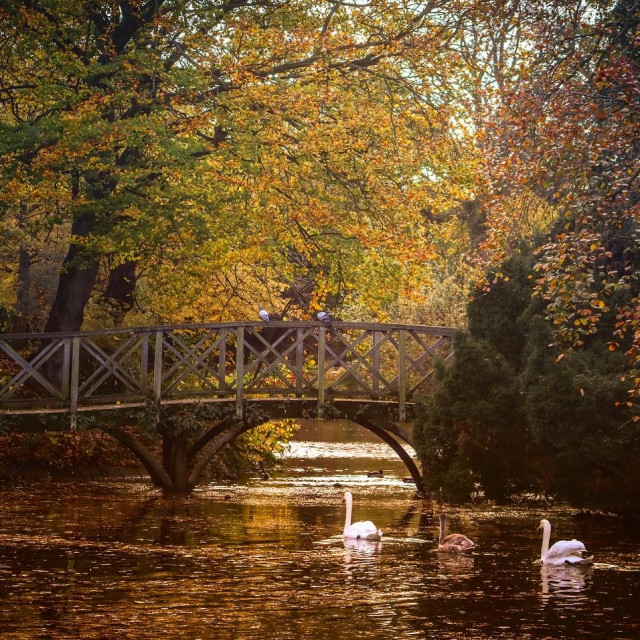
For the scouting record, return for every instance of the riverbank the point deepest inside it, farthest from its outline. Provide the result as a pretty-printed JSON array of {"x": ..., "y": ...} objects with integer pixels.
[{"x": 15, "y": 473}]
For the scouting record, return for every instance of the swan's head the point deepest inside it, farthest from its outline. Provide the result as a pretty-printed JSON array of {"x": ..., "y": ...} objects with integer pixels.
[
  {"x": 543, "y": 523},
  {"x": 347, "y": 497}
]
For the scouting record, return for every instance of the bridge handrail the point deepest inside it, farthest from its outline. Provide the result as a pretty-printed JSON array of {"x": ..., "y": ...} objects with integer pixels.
[{"x": 367, "y": 326}]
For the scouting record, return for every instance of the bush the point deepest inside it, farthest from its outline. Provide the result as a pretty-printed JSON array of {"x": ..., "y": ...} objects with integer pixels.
[
  {"x": 471, "y": 435},
  {"x": 515, "y": 414}
]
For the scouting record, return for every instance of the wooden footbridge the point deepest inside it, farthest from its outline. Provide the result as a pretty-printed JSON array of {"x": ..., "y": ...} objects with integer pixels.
[{"x": 233, "y": 375}]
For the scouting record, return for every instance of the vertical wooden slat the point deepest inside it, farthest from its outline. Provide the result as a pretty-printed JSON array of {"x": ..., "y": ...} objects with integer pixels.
[
  {"x": 402, "y": 376},
  {"x": 75, "y": 377},
  {"x": 322, "y": 337},
  {"x": 299, "y": 360},
  {"x": 222, "y": 360},
  {"x": 239, "y": 371},
  {"x": 66, "y": 368},
  {"x": 376, "y": 362},
  {"x": 157, "y": 368},
  {"x": 144, "y": 363}
]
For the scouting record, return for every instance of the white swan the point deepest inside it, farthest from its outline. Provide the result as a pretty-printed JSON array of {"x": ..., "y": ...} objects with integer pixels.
[
  {"x": 363, "y": 530},
  {"x": 563, "y": 551},
  {"x": 454, "y": 542}
]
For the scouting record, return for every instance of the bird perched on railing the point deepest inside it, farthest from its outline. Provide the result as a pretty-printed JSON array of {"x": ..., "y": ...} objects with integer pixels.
[
  {"x": 323, "y": 316},
  {"x": 263, "y": 315}
]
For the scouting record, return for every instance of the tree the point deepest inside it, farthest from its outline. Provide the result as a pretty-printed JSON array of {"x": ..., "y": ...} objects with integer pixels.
[
  {"x": 471, "y": 435},
  {"x": 566, "y": 130},
  {"x": 233, "y": 144},
  {"x": 514, "y": 414}
]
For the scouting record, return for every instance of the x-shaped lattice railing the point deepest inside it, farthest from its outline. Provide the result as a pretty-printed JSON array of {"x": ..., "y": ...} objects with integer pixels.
[{"x": 225, "y": 361}]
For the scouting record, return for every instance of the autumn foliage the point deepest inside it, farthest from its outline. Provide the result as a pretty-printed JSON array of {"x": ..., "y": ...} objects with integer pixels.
[
  {"x": 168, "y": 161},
  {"x": 568, "y": 134},
  {"x": 174, "y": 160},
  {"x": 517, "y": 417}
]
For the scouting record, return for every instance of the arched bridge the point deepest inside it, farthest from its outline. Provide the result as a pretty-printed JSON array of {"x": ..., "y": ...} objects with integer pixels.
[{"x": 246, "y": 373}]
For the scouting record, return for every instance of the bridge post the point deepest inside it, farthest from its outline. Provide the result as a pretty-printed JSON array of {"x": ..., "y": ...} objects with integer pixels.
[
  {"x": 402, "y": 376},
  {"x": 239, "y": 371},
  {"x": 66, "y": 367},
  {"x": 157, "y": 369},
  {"x": 222, "y": 354},
  {"x": 144, "y": 362},
  {"x": 75, "y": 376},
  {"x": 376, "y": 363},
  {"x": 322, "y": 335},
  {"x": 299, "y": 360}
]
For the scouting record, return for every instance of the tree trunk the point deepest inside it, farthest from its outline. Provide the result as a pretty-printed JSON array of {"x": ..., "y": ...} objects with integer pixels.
[
  {"x": 158, "y": 475},
  {"x": 25, "y": 303},
  {"x": 175, "y": 461},
  {"x": 120, "y": 289},
  {"x": 74, "y": 290},
  {"x": 79, "y": 268}
]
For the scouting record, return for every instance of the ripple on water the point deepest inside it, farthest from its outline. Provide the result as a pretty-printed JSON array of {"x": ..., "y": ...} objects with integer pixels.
[{"x": 266, "y": 559}]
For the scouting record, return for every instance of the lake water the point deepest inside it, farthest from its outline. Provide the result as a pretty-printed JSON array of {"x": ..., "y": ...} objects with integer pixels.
[{"x": 265, "y": 559}]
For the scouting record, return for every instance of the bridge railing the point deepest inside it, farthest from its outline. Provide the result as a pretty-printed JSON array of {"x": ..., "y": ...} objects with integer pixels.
[{"x": 223, "y": 361}]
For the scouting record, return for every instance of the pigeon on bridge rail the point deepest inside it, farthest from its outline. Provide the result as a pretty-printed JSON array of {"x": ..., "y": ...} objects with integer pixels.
[
  {"x": 323, "y": 316},
  {"x": 263, "y": 315}
]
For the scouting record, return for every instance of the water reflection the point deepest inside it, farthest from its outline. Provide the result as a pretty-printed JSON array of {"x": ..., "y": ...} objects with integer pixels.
[
  {"x": 362, "y": 546},
  {"x": 266, "y": 559},
  {"x": 563, "y": 584},
  {"x": 455, "y": 565},
  {"x": 360, "y": 562}
]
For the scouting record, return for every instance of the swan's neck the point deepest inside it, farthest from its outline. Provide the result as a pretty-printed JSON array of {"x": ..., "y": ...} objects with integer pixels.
[
  {"x": 546, "y": 536},
  {"x": 347, "y": 519},
  {"x": 443, "y": 526}
]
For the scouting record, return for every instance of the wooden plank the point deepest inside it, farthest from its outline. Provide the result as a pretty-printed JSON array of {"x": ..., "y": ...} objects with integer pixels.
[
  {"x": 239, "y": 371},
  {"x": 191, "y": 366},
  {"x": 376, "y": 361},
  {"x": 270, "y": 348},
  {"x": 367, "y": 326},
  {"x": 349, "y": 370},
  {"x": 144, "y": 362},
  {"x": 402, "y": 376},
  {"x": 222, "y": 358},
  {"x": 75, "y": 376},
  {"x": 30, "y": 369},
  {"x": 66, "y": 368},
  {"x": 111, "y": 365},
  {"x": 299, "y": 360},
  {"x": 322, "y": 343},
  {"x": 272, "y": 367},
  {"x": 361, "y": 359},
  {"x": 157, "y": 368}
]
